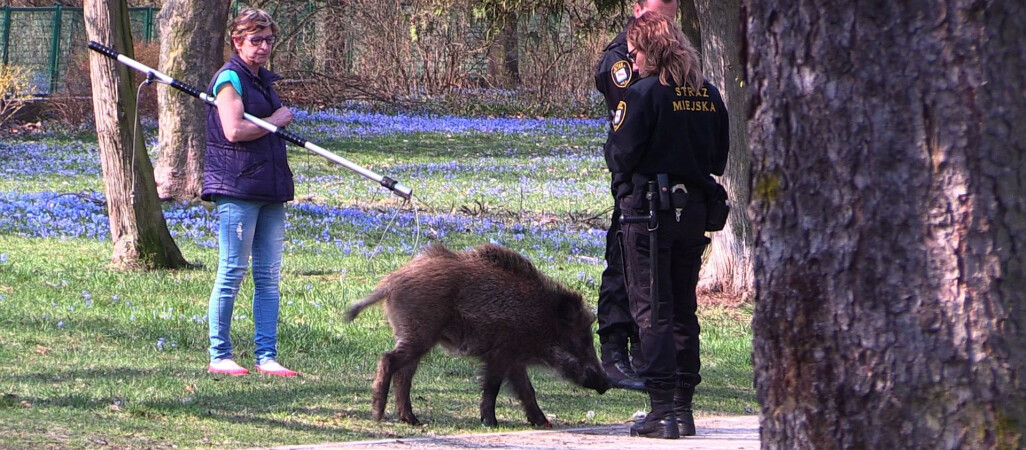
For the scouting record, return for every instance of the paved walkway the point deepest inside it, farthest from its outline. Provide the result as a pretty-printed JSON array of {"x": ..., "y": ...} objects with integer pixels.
[{"x": 736, "y": 432}]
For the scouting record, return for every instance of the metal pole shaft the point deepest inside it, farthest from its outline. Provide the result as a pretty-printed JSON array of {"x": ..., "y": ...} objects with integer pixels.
[{"x": 393, "y": 185}]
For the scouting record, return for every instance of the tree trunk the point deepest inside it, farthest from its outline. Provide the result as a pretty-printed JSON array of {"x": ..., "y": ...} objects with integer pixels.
[
  {"x": 503, "y": 53},
  {"x": 329, "y": 42},
  {"x": 511, "y": 47},
  {"x": 192, "y": 48},
  {"x": 729, "y": 268},
  {"x": 137, "y": 227},
  {"x": 690, "y": 23},
  {"x": 890, "y": 216}
]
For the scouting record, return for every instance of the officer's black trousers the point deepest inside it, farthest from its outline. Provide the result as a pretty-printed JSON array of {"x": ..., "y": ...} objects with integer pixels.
[
  {"x": 670, "y": 342},
  {"x": 614, "y": 314}
]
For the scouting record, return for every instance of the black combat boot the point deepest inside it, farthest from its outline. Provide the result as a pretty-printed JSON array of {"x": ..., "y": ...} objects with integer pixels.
[
  {"x": 616, "y": 362},
  {"x": 682, "y": 408},
  {"x": 661, "y": 422}
]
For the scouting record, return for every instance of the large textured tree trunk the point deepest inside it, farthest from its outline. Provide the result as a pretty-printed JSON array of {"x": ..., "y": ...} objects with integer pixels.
[
  {"x": 890, "y": 215},
  {"x": 729, "y": 268},
  {"x": 192, "y": 45},
  {"x": 137, "y": 227}
]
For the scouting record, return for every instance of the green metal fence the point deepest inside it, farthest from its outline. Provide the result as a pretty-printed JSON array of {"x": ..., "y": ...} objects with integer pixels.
[{"x": 45, "y": 40}]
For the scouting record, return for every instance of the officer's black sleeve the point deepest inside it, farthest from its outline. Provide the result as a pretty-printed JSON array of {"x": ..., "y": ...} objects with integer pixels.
[
  {"x": 606, "y": 77},
  {"x": 630, "y": 140},
  {"x": 600, "y": 70}
]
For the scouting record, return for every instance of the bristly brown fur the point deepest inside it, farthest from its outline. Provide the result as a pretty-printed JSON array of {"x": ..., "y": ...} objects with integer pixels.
[{"x": 491, "y": 303}]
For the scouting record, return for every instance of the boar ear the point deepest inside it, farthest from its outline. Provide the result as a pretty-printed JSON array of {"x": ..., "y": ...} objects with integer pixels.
[{"x": 571, "y": 309}]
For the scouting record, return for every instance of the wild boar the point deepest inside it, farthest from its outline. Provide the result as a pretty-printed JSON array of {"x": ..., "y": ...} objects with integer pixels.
[{"x": 491, "y": 303}]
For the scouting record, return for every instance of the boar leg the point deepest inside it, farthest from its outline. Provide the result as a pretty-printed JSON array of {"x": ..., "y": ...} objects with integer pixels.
[
  {"x": 525, "y": 392},
  {"x": 400, "y": 360},
  {"x": 381, "y": 383},
  {"x": 403, "y": 384},
  {"x": 490, "y": 385}
]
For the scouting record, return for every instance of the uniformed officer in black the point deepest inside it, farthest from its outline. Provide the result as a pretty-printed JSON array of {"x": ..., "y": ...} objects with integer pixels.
[
  {"x": 616, "y": 326},
  {"x": 674, "y": 123}
]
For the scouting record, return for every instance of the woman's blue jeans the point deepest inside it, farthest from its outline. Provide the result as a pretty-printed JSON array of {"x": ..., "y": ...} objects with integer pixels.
[{"x": 256, "y": 229}]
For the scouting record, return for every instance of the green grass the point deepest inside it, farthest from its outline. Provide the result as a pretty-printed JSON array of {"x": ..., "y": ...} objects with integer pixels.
[{"x": 94, "y": 357}]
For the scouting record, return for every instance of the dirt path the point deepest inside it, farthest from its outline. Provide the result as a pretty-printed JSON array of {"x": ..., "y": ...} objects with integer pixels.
[{"x": 736, "y": 432}]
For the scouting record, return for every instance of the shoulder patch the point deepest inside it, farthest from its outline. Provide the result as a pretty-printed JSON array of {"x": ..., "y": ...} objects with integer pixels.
[
  {"x": 619, "y": 114},
  {"x": 621, "y": 73}
]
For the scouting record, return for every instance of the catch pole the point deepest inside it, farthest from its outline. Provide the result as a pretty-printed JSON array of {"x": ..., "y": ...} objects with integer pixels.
[{"x": 396, "y": 187}]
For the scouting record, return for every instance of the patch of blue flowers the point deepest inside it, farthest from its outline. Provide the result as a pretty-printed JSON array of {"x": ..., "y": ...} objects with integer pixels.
[
  {"x": 341, "y": 124},
  {"x": 32, "y": 159},
  {"x": 84, "y": 215},
  {"x": 52, "y": 214},
  {"x": 49, "y": 214}
]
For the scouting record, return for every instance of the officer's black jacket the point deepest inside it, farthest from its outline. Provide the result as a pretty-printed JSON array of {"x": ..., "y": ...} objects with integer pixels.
[{"x": 676, "y": 130}]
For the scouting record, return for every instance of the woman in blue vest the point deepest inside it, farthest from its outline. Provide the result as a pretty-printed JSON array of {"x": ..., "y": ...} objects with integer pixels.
[{"x": 247, "y": 176}]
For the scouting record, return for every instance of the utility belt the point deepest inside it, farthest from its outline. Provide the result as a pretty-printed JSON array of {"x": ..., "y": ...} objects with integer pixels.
[
  {"x": 672, "y": 193},
  {"x": 674, "y": 196}
]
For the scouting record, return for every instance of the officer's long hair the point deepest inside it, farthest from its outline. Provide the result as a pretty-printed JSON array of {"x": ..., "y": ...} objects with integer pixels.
[{"x": 667, "y": 51}]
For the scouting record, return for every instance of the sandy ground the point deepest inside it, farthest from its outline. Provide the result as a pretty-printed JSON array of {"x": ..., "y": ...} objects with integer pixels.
[{"x": 735, "y": 432}]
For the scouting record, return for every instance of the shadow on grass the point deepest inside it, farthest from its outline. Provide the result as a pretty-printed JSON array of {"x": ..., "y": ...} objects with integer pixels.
[
  {"x": 259, "y": 406},
  {"x": 321, "y": 406}
]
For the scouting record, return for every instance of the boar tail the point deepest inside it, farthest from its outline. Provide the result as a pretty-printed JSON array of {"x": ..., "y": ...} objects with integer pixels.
[{"x": 376, "y": 296}]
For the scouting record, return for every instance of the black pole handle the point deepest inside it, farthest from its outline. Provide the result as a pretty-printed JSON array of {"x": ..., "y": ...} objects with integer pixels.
[
  {"x": 186, "y": 88},
  {"x": 103, "y": 49},
  {"x": 291, "y": 137}
]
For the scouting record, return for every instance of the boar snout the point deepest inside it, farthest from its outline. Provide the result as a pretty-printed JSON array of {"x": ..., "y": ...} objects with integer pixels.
[
  {"x": 585, "y": 372},
  {"x": 595, "y": 379}
]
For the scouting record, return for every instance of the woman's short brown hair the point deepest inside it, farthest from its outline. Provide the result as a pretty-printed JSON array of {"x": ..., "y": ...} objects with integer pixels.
[{"x": 251, "y": 20}]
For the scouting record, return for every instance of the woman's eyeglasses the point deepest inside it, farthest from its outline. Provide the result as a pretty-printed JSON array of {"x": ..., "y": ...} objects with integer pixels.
[
  {"x": 632, "y": 56},
  {"x": 259, "y": 40}
]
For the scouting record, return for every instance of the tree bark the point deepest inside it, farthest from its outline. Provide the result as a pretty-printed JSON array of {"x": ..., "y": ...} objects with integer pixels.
[
  {"x": 729, "y": 268},
  {"x": 690, "y": 23},
  {"x": 890, "y": 218},
  {"x": 330, "y": 42},
  {"x": 137, "y": 227},
  {"x": 192, "y": 47},
  {"x": 504, "y": 54},
  {"x": 511, "y": 48}
]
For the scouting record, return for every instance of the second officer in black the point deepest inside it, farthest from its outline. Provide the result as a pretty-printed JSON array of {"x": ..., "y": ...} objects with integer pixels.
[
  {"x": 671, "y": 126},
  {"x": 616, "y": 326}
]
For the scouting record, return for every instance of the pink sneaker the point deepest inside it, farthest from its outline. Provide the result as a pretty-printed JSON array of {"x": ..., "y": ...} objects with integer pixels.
[
  {"x": 273, "y": 368},
  {"x": 227, "y": 366}
]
